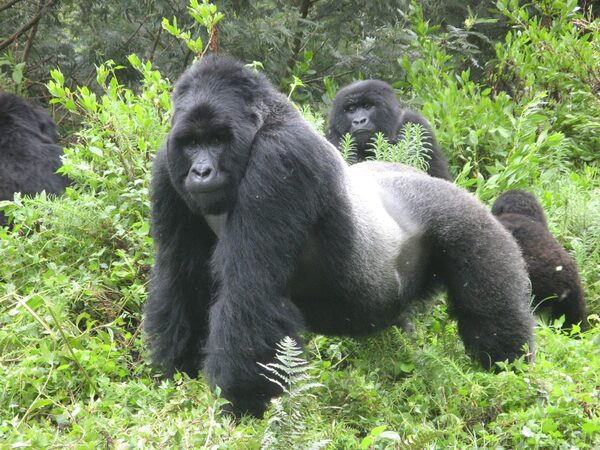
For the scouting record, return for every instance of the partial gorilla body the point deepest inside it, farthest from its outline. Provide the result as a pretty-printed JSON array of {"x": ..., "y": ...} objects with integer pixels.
[
  {"x": 554, "y": 279},
  {"x": 29, "y": 156},
  {"x": 262, "y": 231},
  {"x": 367, "y": 107}
]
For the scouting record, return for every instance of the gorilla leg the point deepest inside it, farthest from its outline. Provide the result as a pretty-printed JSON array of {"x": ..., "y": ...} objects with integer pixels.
[{"x": 480, "y": 263}]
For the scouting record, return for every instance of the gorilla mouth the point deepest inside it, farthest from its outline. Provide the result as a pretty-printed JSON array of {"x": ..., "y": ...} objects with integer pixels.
[
  {"x": 199, "y": 186},
  {"x": 362, "y": 134},
  {"x": 362, "y": 131},
  {"x": 204, "y": 189}
]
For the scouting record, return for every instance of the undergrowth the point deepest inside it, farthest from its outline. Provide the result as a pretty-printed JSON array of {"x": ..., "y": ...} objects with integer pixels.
[{"x": 74, "y": 274}]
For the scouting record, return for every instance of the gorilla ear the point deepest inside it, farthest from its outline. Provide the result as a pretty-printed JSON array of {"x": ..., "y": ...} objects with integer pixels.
[{"x": 257, "y": 112}]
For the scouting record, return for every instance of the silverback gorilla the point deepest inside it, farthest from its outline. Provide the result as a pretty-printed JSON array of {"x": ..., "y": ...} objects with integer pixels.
[
  {"x": 29, "y": 154},
  {"x": 554, "y": 279},
  {"x": 263, "y": 231},
  {"x": 366, "y": 107}
]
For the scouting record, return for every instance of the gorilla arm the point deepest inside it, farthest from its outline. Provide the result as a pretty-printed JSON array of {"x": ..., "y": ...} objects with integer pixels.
[
  {"x": 177, "y": 308},
  {"x": 255, "y": 258}
]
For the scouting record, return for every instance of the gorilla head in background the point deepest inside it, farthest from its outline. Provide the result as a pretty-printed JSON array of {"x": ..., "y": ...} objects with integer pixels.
[
  {"x": 555, "y": 282},
  {"x": 29, "y": 154},
  {"x": 519, "y": 202},
  {"x": 262, "y": 231},
  {"x": 365, "y": 108}
]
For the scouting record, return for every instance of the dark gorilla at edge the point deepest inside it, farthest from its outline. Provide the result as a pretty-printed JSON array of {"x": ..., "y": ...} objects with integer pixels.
[
  {"x": 29, "y": 154},
  {"x": 262, "y": 231},
  {"x": 554, "y": 278},
  {"x": 366, "y": 107}
]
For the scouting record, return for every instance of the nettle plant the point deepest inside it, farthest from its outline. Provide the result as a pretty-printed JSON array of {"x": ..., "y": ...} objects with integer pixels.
[{"x": 411, "y": 147}]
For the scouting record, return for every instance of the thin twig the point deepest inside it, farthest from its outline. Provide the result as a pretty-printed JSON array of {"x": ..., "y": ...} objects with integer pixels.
[{"x": 155, "y": 44}]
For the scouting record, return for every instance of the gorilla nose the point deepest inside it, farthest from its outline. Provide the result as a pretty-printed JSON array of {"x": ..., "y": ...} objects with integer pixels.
[
  {"x": 360, "y": 122},
  {"x": 203, "y": 177},
  {"x": 201, "y": 172}
]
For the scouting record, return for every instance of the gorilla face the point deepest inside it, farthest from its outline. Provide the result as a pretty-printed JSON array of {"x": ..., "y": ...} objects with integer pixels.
[
  {"x": 197, "y": 153},
  {"x": 364, "y": 108},
  {"x": 208, "y": 148}
]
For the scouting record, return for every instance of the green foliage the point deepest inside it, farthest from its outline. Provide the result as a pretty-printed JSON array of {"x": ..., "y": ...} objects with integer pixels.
[
  {"x": 74, "y": 270},
  {"x": 410, "y": 148},
  {"x": 11, "y": 73},
  {"x": 559, "y": 54},
  {"x": 286, "y": 422},
  {"x": 347, "y": 146},
  {"x": 492, "y": 133},
  {"x": 205, "y": 14}
]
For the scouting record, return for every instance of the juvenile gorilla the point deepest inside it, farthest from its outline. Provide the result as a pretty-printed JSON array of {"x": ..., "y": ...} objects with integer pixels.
[
  {"x": 554, "y": 279},
  {"x": 367, "y": 107},
  {"x": 29, "y": 156},
  {"x": 263, "y": 231}
]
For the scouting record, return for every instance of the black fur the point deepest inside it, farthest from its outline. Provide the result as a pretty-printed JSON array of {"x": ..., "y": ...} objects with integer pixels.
[
  {"x": 262, "y": 231},
  {"x": 554, "y": 279},
  {"x": 29, "y": 154},
  {"x": 366, "y": 107}
]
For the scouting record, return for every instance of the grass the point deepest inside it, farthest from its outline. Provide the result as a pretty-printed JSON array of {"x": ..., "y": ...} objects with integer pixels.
[{"x": 74, "y": 271}]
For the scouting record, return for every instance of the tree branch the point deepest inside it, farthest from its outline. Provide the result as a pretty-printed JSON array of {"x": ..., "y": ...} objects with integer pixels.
[
  {"x": 9, "y": 4},
  {"x": 31, "y": 37},
  {"x": 297, "y": 45},
  {"x": 155, "y": 44},
  {"x": 27, "y": 26}
]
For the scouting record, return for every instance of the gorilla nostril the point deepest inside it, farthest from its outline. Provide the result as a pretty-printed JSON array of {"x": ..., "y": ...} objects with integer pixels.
[{"x": 202, "y": 171}]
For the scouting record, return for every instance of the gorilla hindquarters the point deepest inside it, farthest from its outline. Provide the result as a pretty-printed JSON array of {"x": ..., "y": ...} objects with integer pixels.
[
  {"x": 290, "y": 238},
  {"x": 554, "y": 278}
]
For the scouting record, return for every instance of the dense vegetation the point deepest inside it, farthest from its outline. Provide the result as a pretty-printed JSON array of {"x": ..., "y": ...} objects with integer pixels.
[{"x": 74, "y": 271}]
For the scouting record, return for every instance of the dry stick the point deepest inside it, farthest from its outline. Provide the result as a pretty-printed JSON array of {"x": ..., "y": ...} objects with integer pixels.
[
  {"x": 211, "y": 45},
  {"x": 155, "y": 45},
  {"x": 26, "y": 27},
  {"x": 213, "y": 42}
]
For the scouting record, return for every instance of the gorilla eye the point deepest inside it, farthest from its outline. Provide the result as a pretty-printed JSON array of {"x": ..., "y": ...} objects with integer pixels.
[
  {"x": 214, "y": 140},
  {"x": 367, "y": 106},
  {"x": 190, "y": 142},
  {"x": 350, "y": 108}
]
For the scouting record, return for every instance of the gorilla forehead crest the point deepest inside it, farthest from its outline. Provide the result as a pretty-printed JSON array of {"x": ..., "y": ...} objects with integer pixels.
[
  {"x": 217, "y": 80},
  {"x": 366, "y": 90}
]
